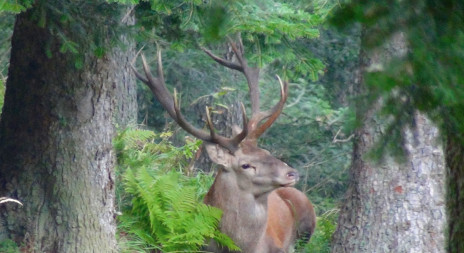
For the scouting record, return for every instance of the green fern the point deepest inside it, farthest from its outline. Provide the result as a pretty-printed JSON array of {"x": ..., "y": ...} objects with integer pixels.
[{"x": 162, "y": 208}]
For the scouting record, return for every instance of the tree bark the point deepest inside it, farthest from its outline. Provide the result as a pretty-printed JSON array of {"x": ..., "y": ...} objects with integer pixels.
[
  {"x": 390, "y": 206},
  {"x": 56, "y": 131}
]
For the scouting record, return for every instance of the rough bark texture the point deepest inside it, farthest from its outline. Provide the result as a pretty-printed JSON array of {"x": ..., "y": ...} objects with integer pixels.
[
  {"x": 125, "y": 113},
  {"x": 56, "y": 153},
  {"x": 393, "y": 207}
]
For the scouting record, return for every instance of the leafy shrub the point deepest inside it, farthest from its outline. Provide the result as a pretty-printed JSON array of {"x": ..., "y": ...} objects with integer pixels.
[
  {"x": 162, "y": 208},
  {"x": 8, "y": 246}
]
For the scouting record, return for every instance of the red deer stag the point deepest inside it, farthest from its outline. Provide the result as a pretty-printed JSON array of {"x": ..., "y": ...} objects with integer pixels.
[{"x": 261, "y": 212}]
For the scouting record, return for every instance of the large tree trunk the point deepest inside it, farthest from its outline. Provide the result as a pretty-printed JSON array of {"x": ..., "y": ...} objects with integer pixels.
[
  {"x": 56, "y": 153},
  {"x": 390, "y": 206},
  {"x": 394, "y": 207}
]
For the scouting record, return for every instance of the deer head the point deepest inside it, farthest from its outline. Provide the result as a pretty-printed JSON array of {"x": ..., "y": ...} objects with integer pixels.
[{"x": 255, "y": 169}]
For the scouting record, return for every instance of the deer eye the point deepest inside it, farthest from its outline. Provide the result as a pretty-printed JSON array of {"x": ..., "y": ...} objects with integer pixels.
[{"x": 246, "y": 166}]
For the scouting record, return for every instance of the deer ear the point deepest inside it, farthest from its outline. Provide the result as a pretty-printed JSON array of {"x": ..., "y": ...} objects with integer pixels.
[{"x": 219, "y": 155}]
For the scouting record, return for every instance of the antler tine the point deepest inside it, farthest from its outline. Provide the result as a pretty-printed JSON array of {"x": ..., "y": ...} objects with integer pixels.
[
  {"x": 171, "y": 105},
  {"x": 252, "y": 76},
  {"x": 160, "y": 64},
  {"x": 271, "y": 114},
  {"x": 138, "y": 75},
  {"x": 198, "y": 133},
  {"x": 231, "y": 144},
  {"x": 239, "y": 52},
  {"x": 228, "y": 64},
  {"x": 210, "y": 123},
  {"x": 157, "y": 86},
  {"x": 223, "y": 62}
]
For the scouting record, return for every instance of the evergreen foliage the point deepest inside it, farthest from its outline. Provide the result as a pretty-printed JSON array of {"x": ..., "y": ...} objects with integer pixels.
[
  {"x": 429, "y": 78},
  {"x": 165, "y": 211},
  {"x": 72, "y": 24},
  {"x": 267, "y": 28},
  {"x": 14, "y": 6}
]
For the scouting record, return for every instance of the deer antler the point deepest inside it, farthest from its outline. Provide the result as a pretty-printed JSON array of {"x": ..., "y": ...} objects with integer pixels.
[
  {"x": 252, "y": 129},
  {"x": 252, "y": 76},
  {"x": 171, "y": 105}
]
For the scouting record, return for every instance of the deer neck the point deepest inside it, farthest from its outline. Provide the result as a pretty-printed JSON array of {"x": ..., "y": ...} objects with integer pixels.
[{"x": 244, "y": 215}]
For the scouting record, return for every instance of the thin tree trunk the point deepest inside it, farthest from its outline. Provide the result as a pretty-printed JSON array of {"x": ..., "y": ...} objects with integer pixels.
[
  {"x": 390, "y": 206},
  {"x": 56, "y": 153},
  {"x": 455, "y": 193}
]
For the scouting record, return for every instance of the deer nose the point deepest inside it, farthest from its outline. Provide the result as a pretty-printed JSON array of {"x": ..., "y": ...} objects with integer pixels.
[{"x": 293, "y": 175}]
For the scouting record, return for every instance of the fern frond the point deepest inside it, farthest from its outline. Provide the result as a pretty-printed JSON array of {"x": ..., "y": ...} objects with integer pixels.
[
  {"x": 166, "y": 211},
  {"x": 136, "y": 138},
  {"x": 224, "y": 240}
]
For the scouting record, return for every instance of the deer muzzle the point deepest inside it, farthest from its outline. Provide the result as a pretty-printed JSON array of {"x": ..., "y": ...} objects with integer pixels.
[{"x": 291, "y": 178}]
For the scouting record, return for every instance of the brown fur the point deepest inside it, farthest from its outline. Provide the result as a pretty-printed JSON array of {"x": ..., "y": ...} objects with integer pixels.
[
  {"x": 258, "y": 214},
  {"x": 286, "y": 206}
]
